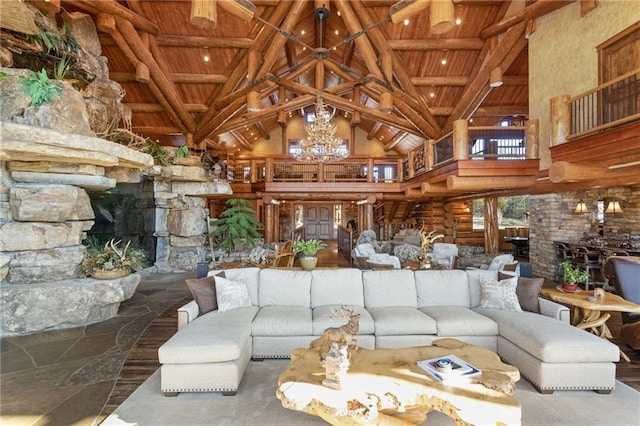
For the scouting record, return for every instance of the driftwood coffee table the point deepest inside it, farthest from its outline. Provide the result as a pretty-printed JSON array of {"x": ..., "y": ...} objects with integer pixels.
[{"x": 385, "y": 386}]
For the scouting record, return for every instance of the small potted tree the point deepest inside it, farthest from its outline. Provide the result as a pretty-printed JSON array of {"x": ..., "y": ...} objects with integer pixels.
[
  {"x": 236, "y": 226},
  {"x": 309, "y": 252},
  {"x": 572, "y": 277}
]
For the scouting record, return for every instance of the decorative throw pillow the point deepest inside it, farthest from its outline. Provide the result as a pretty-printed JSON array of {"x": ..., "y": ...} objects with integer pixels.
[
  {"x": 231, "y": 294},
  {"x": 527, "y": 291},
  {"x": 204, "y": 293},
  {"x": 499, "y": 294}
]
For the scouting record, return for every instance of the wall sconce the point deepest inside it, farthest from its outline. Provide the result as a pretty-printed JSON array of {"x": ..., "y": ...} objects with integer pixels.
[
  {"x": 581, "y": 207},
  {"x": 495, "y": 78},
  {"x": 614, "y": 207}
]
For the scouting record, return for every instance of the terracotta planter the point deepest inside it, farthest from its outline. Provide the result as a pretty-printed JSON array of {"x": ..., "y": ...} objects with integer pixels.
[
  {"x": 570, "y": 288},
  {"x": 308, "y": 262},
  {"x": 109, "y": 274}
]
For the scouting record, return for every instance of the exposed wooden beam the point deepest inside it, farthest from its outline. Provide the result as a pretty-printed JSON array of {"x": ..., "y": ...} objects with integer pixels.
[
  {"x": 533, "y": 11},
  {"x": 243, "y": 141},
  {"x": 129, "y": 77},
  {"x": 141, "y": 107},
  {"x": 470, "y": 98},
  {"x": 372, "y": 133},
  {"x": 440, "y": 81},
  {"x": 155, "y": 90},
  {"x": 157, "y": 130},
  {"x": 170, "y": 40},
  {"x": 408, "y": 210},
  {"x": 482, "y": 183},
  {"x": 137, "y": 45},
  {"x": 113, "y": 8},
  {"x": 437, "y": 44},
  {"x": 237, "y": 72},
  {"x": 223, "y": 115},
  {"x": 395, "y": 140},
  {"x": 395, "y": 205},
  {"x": 380, "y": 38},
  {"x": 263, "y": 132}
]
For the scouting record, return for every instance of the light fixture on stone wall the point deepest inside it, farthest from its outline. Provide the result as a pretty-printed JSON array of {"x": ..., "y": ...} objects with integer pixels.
[
  {"x": 614, "y": 205},
  {"x": 321, "y": 145},
  {"x": 581, "y": 207}
]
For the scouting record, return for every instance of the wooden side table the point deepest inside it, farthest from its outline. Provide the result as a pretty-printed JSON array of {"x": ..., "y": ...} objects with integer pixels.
[{"x": 592, "y": 315}]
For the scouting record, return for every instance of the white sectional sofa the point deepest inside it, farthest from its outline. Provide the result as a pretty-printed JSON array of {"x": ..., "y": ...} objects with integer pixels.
[{"x": 398, "y": 308}]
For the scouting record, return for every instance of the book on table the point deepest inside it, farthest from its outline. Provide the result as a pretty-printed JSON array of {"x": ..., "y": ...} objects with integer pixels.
[{"x": 448, "y": 368}]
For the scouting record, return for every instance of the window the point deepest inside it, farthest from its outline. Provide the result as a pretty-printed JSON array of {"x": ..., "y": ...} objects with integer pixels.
[
  {"x": 337, "y": 216},
  {"x": 513, "y": 212}
]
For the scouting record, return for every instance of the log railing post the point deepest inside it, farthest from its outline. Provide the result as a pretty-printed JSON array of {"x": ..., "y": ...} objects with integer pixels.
[
  {"x": 430, "y": 144},
  {"x": 560, "y": 119},
  {"x": 253, "y": 171},
  {"x": 491, "y": 231},
  {"x": 532, "y": 139},
  {"x": 268, "y": 170},
  {"x": 370, "y": 170},
  {"x": 461, "y": 140}
]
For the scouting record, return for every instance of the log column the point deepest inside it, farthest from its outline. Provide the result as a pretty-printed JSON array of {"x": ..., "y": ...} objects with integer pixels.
[
  {"x": 491, "y": 232},
  {"x": 560, "y": 119},
  {"x": 461, "y": 140}
]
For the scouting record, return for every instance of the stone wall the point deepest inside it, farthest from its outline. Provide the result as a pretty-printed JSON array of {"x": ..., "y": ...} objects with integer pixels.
[{"x": 553, "y": 219}]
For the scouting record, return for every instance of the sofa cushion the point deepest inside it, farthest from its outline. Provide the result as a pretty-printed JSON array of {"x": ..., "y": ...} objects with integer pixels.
[
  {"x": 473, "y": 277},
  {"x": 324, "y": 317},
  {"x": 395, "y": 287},
  {"x": 527, "y": 291},
  {"x": 335, "y": 286},
  {"x": 460, "y": 321},
  {"x": 442, "y": 288},
  {"x": 551, "y": 340},
  {"x": 203, "y": 291},
  {"x": 214, "y": 337},
  {"x": 281, "y": 287},
  {"x": 400, "y": 320},
  {"x": 231, "y": 294},
  {"x": 283, "y": 321},
  {"x": 251, "y": 276},
  {"x": 499, "y": 294}
]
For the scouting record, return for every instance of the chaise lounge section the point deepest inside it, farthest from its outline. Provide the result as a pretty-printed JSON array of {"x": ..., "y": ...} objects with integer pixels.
[{"x": 398, "y": 308}]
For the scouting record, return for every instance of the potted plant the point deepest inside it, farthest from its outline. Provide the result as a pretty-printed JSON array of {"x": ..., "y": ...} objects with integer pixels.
[
  {"x": 309, "y": 252},
  {"x": 111, "y": 261},
  {"x": 572, "y": 277}
]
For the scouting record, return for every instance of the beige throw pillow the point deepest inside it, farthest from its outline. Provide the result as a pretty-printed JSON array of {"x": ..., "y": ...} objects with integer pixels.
[
  {"x": 231, "y": 294},
  {"x": 499, "y": 294},
  {"x": 527, "y": 291}
]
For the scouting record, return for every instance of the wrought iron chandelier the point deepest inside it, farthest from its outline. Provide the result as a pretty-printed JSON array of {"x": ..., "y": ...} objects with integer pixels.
[{"x": 321, "y": 145}]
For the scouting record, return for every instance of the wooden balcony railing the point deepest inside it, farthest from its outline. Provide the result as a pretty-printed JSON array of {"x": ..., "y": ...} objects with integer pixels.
[
  {"x": 614, "y": 103},
  {"x": 477, "y": 143}
]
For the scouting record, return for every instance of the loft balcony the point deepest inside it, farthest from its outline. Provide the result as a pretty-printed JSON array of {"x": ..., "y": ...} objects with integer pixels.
[
  {"x": 469, "y": 159},
  {"x": 596, "y": 135}
]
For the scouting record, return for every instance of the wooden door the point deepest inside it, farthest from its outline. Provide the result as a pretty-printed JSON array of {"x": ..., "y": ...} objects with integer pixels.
[{"x": 319, "y": 222}]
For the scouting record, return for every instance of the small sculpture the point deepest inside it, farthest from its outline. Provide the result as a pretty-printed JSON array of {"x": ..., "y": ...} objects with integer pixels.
[
  {"x": 342, "y": 335},
  {"x": 336, "y": 366},
  {"x": 425, "y": 241}
]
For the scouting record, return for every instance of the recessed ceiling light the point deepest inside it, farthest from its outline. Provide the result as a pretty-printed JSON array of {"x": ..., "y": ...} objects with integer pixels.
[
  {"x": 302, "y": 32},
  {"x": 304, "y": 48},
  {"x": 206, "y": 58},
  {"x": 444, "y": 61},
  {"x": 339, "y": 13},
  {"x": 406, "y": 21},
  {"x": 337, "y": 32},
  {"x": 432, "y": 95},
  {"x": 458, "y": 21}
]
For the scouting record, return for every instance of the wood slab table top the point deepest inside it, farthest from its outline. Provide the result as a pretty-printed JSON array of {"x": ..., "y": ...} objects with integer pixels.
[
  {"x": 611, "y": 302},
  {"x": 385, "y": 386}
]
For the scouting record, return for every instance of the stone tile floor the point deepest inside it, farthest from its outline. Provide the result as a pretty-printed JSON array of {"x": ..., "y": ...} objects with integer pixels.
[{"x": 65, "y": 377}]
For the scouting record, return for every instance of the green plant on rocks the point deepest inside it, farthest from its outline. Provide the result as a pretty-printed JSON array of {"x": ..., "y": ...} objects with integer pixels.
[{"x": 39, "y": 88}]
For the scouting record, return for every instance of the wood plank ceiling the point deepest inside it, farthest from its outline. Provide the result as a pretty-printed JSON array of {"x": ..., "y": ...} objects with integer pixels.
[{"x": 400, "y": 82}]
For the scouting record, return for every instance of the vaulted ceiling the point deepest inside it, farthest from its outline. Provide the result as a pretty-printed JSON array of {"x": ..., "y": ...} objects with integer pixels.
[{"x": 385, "y": 65}]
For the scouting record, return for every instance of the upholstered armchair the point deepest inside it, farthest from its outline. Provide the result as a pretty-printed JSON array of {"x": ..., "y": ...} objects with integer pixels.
[
  {"x": 444, "y": 254},
  {"x": 624, "y": 272},
  {"x": 366, "y": 255}
]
